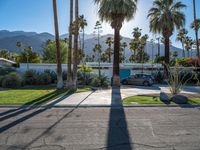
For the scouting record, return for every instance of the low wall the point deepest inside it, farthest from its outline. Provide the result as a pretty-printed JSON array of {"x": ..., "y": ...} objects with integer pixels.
[{"x": 106, "y": 68}]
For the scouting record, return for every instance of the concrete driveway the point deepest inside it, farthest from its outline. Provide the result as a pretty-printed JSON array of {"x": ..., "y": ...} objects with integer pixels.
[{"x": 108, "y": 97}]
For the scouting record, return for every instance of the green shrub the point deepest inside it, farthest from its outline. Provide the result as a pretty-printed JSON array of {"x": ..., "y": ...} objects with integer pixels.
[
  {"x": 52, "y": 74},
  {"x": 12, "y": 80},
  {"x": 84, "y": 78},
  {"x": 101, "y": 81},
  {"x": 31, "y": 77},
  {"x": 44, "y": 79},
  {"x": 1, "y": 80},
  {"x": 6, "y": 71},
  {"x": 64, "y": 75}
]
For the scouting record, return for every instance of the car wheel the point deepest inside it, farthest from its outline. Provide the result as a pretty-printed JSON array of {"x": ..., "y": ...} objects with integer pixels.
[{"x": 146, "y": 83}]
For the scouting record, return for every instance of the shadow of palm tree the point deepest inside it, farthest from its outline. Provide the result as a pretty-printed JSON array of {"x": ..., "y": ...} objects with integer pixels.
[
  {"x": 118, "y": 134},
  {"x": 34, "y": 104}
]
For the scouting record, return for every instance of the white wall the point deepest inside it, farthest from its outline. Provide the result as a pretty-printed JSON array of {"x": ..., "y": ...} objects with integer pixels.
[{"x": 107, "y": 68}]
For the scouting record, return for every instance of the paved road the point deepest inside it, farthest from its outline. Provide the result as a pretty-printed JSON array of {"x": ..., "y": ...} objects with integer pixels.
[
  {"x": 100, "y": 129},
  {"x": 105, "y": 96}
]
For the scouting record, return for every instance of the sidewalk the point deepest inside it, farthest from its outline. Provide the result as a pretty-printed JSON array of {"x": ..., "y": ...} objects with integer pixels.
[{"x": 103, "y": 97}]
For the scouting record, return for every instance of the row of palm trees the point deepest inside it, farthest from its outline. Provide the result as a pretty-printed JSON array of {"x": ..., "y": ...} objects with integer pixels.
[{"x": 165, "y": 16}]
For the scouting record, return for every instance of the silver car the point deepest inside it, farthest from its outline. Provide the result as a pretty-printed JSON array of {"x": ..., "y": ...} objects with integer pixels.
[{"x": 137, "y": 80}]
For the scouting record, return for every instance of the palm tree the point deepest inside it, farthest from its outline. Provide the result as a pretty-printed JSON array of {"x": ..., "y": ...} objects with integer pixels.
[
  {"x": 164, "y": 17},
  {"x": 97, "y": 49},
  {"x": 75, "y": 65},
  {"x": 181, "y": 37},
  {"x": 58, "y": 56},
  {"x": 109, "y": 42},
  {"x": 123, "y": 47},
  {"x": 116, "y": 12},
  {"x": 69, "y": 64},
  {"x": 196, "y": 27},
  {"x": 83, "y": 24},
  {"x": 4, "y": 54},
  {"x": 188, "y": 44}
]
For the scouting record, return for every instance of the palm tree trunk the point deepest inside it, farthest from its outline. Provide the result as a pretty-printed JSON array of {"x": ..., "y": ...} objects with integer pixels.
[
  {"x": 109, "y": 54},
  {"x": 69, "y": 65},
  {"x": 58, "y": 57},
  {"x": 75, "y": 47},
  {"x": 183, "y": 50},
  {"x": 116, "y": 78},
  {"x": 83, "y": 44},
  {"x": 167, "y": 50},
  {"x": 196, "y": 29}
]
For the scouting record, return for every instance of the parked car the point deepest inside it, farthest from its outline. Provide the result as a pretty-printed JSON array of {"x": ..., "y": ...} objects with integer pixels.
[
  {"x": 145, "y": 76},
  {"x": 138, "y": 80}
]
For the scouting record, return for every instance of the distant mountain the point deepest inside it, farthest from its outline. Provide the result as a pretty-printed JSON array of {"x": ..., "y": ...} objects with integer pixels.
[{"x": 8, "y": 41}]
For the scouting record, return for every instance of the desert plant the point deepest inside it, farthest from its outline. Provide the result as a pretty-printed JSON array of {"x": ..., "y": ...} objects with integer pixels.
[
  {"x": 84, "y": 75},
  {"x": 100, "y": 81},
  {"x": 12, "y": 80},
  {"x": 52, "y": 74},
  {"x": 31, "y": 77},
  {"x": 178, "y": 78},
  {"x": 44, "y": 79}
]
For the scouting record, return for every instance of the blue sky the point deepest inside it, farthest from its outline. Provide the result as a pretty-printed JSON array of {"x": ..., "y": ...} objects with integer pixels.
[{"x": 37, "y": 16}]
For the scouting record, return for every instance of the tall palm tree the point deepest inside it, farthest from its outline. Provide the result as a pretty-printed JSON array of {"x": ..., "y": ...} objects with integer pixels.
[
  {"x": 188, "y": 45},
  {"x": 76, "y": 33},
  {"x": 109, "y": 42},
  {"x": 69, "y": 64},
  {"x": 123, "y": 46},
  {"x": 196, "y": 28},
  {"x": 83, "y": 24},
  {"x": 165, "y": 16},
  {"x": 181, "y": 37},
  {"x": 58, "y": 56},
  {"x": 116, "y": 12},
  {"x": 97, "y": 49}
]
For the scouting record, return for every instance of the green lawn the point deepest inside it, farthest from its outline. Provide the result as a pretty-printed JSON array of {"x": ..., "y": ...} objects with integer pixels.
[
  {"x": 33, "y": 95},
  {"x": 151, "y": 100}
]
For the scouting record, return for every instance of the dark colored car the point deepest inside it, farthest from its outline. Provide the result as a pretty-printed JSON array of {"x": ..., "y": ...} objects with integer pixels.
[{"x": 138, "y": 79}]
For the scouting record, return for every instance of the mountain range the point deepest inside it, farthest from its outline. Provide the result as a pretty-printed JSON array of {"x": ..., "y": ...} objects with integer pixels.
[{"x": 36, "y": 40}]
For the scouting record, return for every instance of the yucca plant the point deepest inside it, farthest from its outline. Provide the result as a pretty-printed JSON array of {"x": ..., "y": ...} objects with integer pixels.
[{"x": 178, "y": 78}]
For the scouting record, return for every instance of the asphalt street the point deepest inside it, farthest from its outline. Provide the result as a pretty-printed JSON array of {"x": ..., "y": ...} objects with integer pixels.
[{"x": 156, "y": 128}]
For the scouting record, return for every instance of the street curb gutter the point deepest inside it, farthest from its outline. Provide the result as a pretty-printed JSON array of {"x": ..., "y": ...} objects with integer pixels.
[{"x": 101, "y": 106}]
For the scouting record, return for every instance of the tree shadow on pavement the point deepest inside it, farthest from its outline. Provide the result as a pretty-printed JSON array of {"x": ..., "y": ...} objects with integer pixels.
[
  {"x": 118, "y": 134},
  {"x": 34, "y": 105}
]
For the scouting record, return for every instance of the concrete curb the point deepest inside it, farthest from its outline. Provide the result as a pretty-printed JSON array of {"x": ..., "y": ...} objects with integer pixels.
[{"x": 100, "y": 106}]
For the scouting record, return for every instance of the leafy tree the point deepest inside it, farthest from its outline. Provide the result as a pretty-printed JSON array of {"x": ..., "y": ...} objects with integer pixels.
[
  {"x": 49, "y": 52},
  {"x": 4, "y": 54},
  {"x": 165, "y": 16},
  {"x": 27, "y": 55},
  {"x": 116, "y": 12}
]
